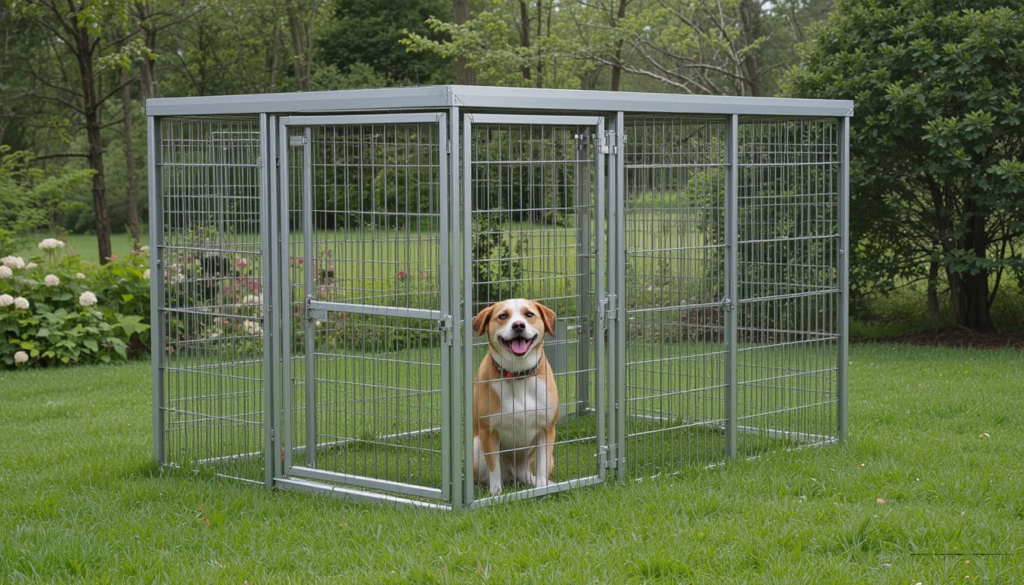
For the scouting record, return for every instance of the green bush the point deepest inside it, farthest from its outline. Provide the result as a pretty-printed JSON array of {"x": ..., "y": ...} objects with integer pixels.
[{"x": 59, "y": 309}]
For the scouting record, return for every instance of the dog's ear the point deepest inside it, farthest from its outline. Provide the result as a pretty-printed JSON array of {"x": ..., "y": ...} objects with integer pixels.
[
  {"x": 548, "y": 317},
  {"x": 481, "y": 320}
]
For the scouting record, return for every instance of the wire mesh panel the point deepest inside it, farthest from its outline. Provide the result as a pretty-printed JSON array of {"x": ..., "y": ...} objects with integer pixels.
[
  {"x": 366, "y": 272},
  {"x": 788, "y": 287},
  {"x": 675, "y": 280},
  {"x": 533, "y": 219},
  {"x": 211, "y": 310}
]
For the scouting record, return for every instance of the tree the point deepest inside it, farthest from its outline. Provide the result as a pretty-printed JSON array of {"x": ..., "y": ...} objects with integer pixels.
[
  {"x": 369, "y": 32},
  {"x": 76, "y": 28},
  {"x": 937, "y": 177},
  {"x": 518, "y": 43}
]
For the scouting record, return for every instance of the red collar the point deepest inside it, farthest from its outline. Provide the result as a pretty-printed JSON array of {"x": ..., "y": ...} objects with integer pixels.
[{"x": 502, "y": 372}]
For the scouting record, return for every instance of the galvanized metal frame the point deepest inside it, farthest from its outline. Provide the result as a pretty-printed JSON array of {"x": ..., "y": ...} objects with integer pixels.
[{"x": 459, "y": 109}]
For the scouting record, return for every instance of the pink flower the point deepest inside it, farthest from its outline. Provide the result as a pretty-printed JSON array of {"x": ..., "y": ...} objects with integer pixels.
[
  {"x": 241, "y": 263},
  {"x": 402, "y": 274}
]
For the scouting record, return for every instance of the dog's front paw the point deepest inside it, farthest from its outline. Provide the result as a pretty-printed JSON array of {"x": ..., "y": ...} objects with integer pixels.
[{"x": 496, "y": 488}]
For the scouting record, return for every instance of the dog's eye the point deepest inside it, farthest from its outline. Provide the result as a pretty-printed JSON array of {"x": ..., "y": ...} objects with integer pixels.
[
  {"x": 529, "y": 315},
  {"x": 503, "y": 316}
]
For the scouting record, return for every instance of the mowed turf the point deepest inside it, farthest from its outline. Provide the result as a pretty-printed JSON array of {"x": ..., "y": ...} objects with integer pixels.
[{"x": 926, "y": 490}]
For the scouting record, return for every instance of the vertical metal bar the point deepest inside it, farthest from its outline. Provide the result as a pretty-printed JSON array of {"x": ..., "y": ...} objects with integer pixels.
[
  {"x": 284, "y": 411},
  {"x": 600, "y": 195},
  {"x": 448, "y": 390},
  {"x": 618, "y": 333},
  {"x": 279, "y": 291},
  {"x": 731, "y": 288},
  {"x": 457, "y": 449},
  {"x": 308, "y": 234},
  {"x": 467, "y": 304},
  {"x": 585, "y": 198},
  {"x": 156, "y": 286},
  {"x": 843, "y": 326},
  {"x": 271, "y": 339}
]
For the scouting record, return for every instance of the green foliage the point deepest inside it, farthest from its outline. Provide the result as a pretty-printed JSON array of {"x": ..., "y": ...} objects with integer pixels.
[
  {"x": 497, "y": 261},
  {"x": 367, "y": 33},
  {"x": 30, "y": 198},
  {"x": 59, "y": 309},
  {"x": 937, "y": 141}
]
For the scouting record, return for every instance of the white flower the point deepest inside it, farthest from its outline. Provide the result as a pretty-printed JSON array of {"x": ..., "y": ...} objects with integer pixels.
[
  {"x": 144, "y": 249},
  {"x": 79, "y": 275},
  {"x": 31, "y": 265},
  {"x": 51, "y": 280},
  {"x": 87, "y": 299},
  {"x": 253, "y": 300},
  {"x": 146, "y": 274},
  {"x": 252, "y": 327},
  {"x": 6, "y": 300},
  {"x": 50, "y": 244},
  {"x": 20, "y": 357},
  {"x": 20, "y": 303},
  {"x": 5, "y": 272},
  {"x": 13, "y": 261}
]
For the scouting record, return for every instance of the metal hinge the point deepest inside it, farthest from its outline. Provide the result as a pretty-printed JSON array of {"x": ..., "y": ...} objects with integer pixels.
[
  {"x": 447, "y": 327},
  {"x": 607, "y": 457},
  {"x": 728, "y": 304},
  {"x": 606, "y": 144},
  {"x": 448, "y": 146},
  {"x": 296, "y": 141}
]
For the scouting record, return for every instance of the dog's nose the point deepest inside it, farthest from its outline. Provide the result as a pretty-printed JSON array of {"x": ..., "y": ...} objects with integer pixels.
[{"x": 518, "y": 326}]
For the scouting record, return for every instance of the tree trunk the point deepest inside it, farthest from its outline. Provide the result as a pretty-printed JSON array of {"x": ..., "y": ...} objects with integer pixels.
[
  {"x": 93, "y": 124},
  {"x": 464, "y": 74},
  {"x": 969, "y": 289},
  {"x": 300, "y": 58},
  {"x": 750, "y": 31},
  {"x": 524, "y": 33},
  {"x": 129, "y": 156},
  {"x": 147, "y": 74},
  {"x": 617, "y": 67},
  {"x": 933, "y": 294}
]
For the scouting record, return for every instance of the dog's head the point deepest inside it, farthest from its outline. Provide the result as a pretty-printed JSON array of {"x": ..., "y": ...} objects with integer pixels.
[{"x": 515, "y": 330}]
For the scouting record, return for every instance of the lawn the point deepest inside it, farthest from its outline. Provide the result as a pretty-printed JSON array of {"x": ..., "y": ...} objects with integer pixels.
[{"x": 926, "y": 490}]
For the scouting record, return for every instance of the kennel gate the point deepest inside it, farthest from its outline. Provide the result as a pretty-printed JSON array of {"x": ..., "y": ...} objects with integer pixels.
[{"x": 323, "y": 255}]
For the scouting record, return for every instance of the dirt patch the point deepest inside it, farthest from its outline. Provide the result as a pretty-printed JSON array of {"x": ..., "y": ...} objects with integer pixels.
[{"x": 956, "y": 337}]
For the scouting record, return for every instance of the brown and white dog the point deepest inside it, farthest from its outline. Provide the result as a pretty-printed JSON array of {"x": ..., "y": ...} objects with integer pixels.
[{"x": 515, "y": 400}]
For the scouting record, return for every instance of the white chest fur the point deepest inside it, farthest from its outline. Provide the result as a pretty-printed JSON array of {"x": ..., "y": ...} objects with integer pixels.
[{"x": 525, "y": 411}]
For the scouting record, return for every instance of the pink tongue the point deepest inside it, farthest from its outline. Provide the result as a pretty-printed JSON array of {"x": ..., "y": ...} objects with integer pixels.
[{"x": 519, "y": 345}]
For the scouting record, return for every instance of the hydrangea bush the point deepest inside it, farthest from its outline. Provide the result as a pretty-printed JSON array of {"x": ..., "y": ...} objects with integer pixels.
[{"x": 59, "y": 309}]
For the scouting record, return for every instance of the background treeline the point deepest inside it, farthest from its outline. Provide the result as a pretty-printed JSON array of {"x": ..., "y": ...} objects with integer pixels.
[
  {"x": 75, "y": 73},
  {"x": 937, "y": 180}
]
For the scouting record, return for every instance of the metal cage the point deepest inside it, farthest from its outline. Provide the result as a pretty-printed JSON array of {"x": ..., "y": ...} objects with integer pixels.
[{"x": 319, "y": 258}]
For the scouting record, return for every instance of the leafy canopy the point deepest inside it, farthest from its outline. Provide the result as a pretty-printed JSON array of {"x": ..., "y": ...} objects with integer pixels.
[{"x": 937, "y": 176}]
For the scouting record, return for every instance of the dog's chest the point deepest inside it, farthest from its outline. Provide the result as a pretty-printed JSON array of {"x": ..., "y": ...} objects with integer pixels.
[{"x": 525, "y": 411}]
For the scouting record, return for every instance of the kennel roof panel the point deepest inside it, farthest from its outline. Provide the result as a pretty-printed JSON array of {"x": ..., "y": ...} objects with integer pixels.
[{"x": 501, "y": 98}]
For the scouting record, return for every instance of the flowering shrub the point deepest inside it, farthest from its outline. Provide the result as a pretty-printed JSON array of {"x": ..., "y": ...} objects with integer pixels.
[{"x": 60, "y": 309}]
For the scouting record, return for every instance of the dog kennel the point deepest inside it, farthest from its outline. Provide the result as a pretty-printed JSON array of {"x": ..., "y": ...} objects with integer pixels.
[{"x": 318, "y": 259}]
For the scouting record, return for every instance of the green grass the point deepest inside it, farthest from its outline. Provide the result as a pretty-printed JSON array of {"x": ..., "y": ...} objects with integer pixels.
[
  {"x": 83, "y": 244},
  {"x": 935, "y": 433}
]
